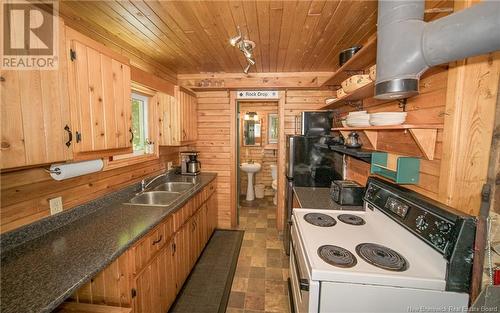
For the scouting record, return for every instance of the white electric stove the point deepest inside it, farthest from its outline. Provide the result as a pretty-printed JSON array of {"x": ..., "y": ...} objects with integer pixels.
[{"x": 402, "y": 254}]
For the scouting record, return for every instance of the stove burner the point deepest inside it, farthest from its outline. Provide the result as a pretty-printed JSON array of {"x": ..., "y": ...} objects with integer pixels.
[
  {"x": 382, "y": 257},
  {"x": 319, "y": 219},
  {"x": 337, "y": 256},
  {"x": 351, "y": 219}
]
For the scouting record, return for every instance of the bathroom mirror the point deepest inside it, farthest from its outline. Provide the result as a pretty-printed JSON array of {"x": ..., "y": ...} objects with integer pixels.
[
  {"x": 251, "y": 132},
  {"x": 272, "y": 130}
]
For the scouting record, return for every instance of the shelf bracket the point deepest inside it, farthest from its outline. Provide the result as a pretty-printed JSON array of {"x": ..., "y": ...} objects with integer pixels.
[
  {"x": 358, "y": 105},
  {"x": 425, "y": 140},
  {"x": 372, "y": 136}
]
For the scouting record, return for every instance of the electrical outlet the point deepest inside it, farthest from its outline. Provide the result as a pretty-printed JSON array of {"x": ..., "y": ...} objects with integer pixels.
[
  {"x": 56, "y": 205},
  {"x": 170, "y": 165}
]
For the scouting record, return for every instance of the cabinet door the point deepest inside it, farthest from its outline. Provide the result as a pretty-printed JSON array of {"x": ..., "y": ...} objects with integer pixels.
[
  {"x": 182, "y": 262},
  {"x": 169, "y": 120},
  {"x": 156, "y": 284},
  {"x": 188, "y": 117},
  {"x": 212, "y": 212},
  {"x": 100, "y": 99},
  {"x": 168, "y": 280},
  {"x": 143, "y": 299},
  {"x": 34, "y": 114}
]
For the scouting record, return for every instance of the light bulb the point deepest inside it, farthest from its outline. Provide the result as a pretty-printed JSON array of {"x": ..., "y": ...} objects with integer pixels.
[{"x": 247, "y": 68}]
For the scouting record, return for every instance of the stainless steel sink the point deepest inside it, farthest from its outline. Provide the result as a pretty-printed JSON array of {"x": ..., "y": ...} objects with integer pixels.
[
  {"x": 175, "y": 187},
  {"x": 155, "y": 198}
]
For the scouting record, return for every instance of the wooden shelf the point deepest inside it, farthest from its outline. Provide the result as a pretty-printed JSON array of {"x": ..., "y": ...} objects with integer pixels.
[
  {"x": 423, "y": 137},
  {"x": 392, "y": 127},
  {"x": 361, "y": 93},
  {"x": 360, "y": 61}
]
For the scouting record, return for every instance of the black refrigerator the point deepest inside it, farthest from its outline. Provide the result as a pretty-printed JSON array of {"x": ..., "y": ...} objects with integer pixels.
[{"x": 309, "y": 163}]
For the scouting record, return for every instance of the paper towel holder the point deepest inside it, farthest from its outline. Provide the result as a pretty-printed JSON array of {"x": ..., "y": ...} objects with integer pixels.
[{"x": 56, "y": 171}]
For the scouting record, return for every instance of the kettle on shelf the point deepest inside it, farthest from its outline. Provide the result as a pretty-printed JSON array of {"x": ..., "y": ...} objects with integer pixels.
[{"x": 352, "y": 140}]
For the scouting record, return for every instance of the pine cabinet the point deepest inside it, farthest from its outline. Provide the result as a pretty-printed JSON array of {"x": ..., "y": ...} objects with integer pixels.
[
  {"x": 155, "y": 287},
  {"x": 178, "y": 118},
  {"x": 35, "y": 117},
  {"x": 100, "y": 90},
  {"x": 188, "y": 115},
  {"x": 149, "y": 275}
]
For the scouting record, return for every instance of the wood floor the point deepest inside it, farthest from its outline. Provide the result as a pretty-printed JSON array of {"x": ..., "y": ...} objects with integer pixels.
[{"x": 260, "y": 282}]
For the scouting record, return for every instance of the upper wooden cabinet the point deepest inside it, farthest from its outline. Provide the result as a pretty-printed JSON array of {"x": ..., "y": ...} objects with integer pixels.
[
  {"x": 178, "y": 118},
  {"x": 100, "y": 88},
  {"x": 189, "y": 118},
  {"x": 35, "y": 115}
]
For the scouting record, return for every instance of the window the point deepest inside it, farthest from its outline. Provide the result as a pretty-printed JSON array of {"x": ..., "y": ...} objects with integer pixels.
[
  {"x": 140, "y": 125},
  {"x": 143, "y": 131}
]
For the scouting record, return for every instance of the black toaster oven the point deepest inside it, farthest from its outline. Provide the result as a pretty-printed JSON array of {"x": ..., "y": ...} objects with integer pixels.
[{"x": 347, "y": 192}]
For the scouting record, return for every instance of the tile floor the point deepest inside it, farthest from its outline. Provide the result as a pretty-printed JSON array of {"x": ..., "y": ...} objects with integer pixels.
[{"x": 260, "y": 282}]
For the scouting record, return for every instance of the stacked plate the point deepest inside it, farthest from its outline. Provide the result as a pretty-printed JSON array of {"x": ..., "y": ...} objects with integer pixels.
[
  {"x": 387, "y": 118},
  {"x": 358, "y": 119}
]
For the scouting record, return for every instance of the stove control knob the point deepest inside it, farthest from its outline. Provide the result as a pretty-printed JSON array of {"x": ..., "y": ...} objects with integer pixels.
[
  {"x": 443, "y": 227},
  {"x": 370, "y": 193},
  {"x": 421, "y": 223},
  {"x": 437, "y": 240}
]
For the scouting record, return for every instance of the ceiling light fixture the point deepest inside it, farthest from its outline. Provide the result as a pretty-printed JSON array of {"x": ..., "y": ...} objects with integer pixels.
[
  {"x": 246, "y": 46},
  {"x": 234, "y": 40}
]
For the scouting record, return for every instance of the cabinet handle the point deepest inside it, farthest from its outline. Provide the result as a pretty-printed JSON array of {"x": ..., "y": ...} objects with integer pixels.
[
  {"x": 132, "y": 134},
  {"x": 70, "y": 136},
  {"x": 158, "y": 240},
  {"x": 78, "y": 137}
]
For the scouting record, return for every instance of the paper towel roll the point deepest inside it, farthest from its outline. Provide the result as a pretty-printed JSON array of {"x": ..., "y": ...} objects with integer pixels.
[{"x": 69, "y": 170}]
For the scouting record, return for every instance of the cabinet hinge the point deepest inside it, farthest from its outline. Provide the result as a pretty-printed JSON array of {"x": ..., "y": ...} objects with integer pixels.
[
  {"x": 134, "y": 293},
  {"x": 72, "y": 54}
]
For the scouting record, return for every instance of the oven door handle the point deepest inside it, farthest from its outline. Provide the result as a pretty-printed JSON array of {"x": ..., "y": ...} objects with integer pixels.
[{"x": 303, "y": 283}]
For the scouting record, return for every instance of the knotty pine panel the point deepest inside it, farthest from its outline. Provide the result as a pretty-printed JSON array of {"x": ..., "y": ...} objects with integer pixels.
[
  {"x": 26, "y": 193},
  {"x": 214, "y": 145}
]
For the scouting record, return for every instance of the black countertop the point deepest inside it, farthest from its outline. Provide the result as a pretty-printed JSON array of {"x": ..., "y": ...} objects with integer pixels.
[
  {"x": 39, "y": 274},
  {"x": 319, "y": 198}
]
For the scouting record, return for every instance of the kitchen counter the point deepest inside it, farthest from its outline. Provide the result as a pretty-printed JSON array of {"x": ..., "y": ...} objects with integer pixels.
[
  {"x": 319, "y": 198},
  {"x": 39, "y": 274}
]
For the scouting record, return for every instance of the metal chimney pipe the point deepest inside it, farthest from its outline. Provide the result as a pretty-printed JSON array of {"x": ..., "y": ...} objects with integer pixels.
[{"x": 407, "y": 46}]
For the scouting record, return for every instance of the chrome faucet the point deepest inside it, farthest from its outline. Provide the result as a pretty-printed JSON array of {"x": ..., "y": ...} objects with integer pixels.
[{"x": 144, "y": 185}]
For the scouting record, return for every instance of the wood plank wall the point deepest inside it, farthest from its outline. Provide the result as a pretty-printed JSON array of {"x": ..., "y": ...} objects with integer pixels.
[
  {"x": 263, "y": 154},
  {"x": 26, "y": 193},
  {"x": 426, "y": 108},
  {"x": 214, "y": 145}
]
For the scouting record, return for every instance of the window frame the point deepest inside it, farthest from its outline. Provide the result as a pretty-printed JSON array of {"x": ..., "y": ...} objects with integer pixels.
[{"x": 117, "y": 161}]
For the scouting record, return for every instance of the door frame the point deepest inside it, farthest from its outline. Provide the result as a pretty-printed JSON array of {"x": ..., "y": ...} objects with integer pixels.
[{"x": 234, "y": 141}]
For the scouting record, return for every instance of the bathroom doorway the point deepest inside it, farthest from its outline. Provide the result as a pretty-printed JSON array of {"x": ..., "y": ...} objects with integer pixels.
[{"x": 257, "y": 154}]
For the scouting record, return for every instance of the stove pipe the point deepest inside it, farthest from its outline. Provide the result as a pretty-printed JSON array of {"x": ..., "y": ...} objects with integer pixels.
[{"x": 407, "y": 46}]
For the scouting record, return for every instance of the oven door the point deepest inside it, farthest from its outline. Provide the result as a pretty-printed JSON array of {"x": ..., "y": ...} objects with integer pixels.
[{"x": 304, "y": 291}]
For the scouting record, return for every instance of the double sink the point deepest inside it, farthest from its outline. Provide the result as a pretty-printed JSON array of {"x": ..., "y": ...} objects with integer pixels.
[{"x": 162, "y": 195}]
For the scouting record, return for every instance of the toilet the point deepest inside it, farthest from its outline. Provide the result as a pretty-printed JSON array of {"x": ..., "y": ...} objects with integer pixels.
[{"x": 274, "y": 184}]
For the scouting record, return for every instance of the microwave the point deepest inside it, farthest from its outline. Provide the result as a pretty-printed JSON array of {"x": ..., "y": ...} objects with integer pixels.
[{"x": 314, "y": 123}]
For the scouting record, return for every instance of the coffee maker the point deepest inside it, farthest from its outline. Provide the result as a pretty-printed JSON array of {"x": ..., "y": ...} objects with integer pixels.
[{"x": 189, "y": 163}]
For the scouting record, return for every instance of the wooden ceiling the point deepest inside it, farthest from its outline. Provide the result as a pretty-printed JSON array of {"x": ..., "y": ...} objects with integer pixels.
[{"x": 192, "y": 36}]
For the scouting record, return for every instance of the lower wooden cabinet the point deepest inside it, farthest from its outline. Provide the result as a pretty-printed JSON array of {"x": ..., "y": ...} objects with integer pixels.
[
  {"x": 155, "y": 287},
  {"x": 149, "y": 275}
]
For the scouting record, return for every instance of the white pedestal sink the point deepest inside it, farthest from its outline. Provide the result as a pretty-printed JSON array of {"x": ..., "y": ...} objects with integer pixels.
[{"x": 250, "y": 169}]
